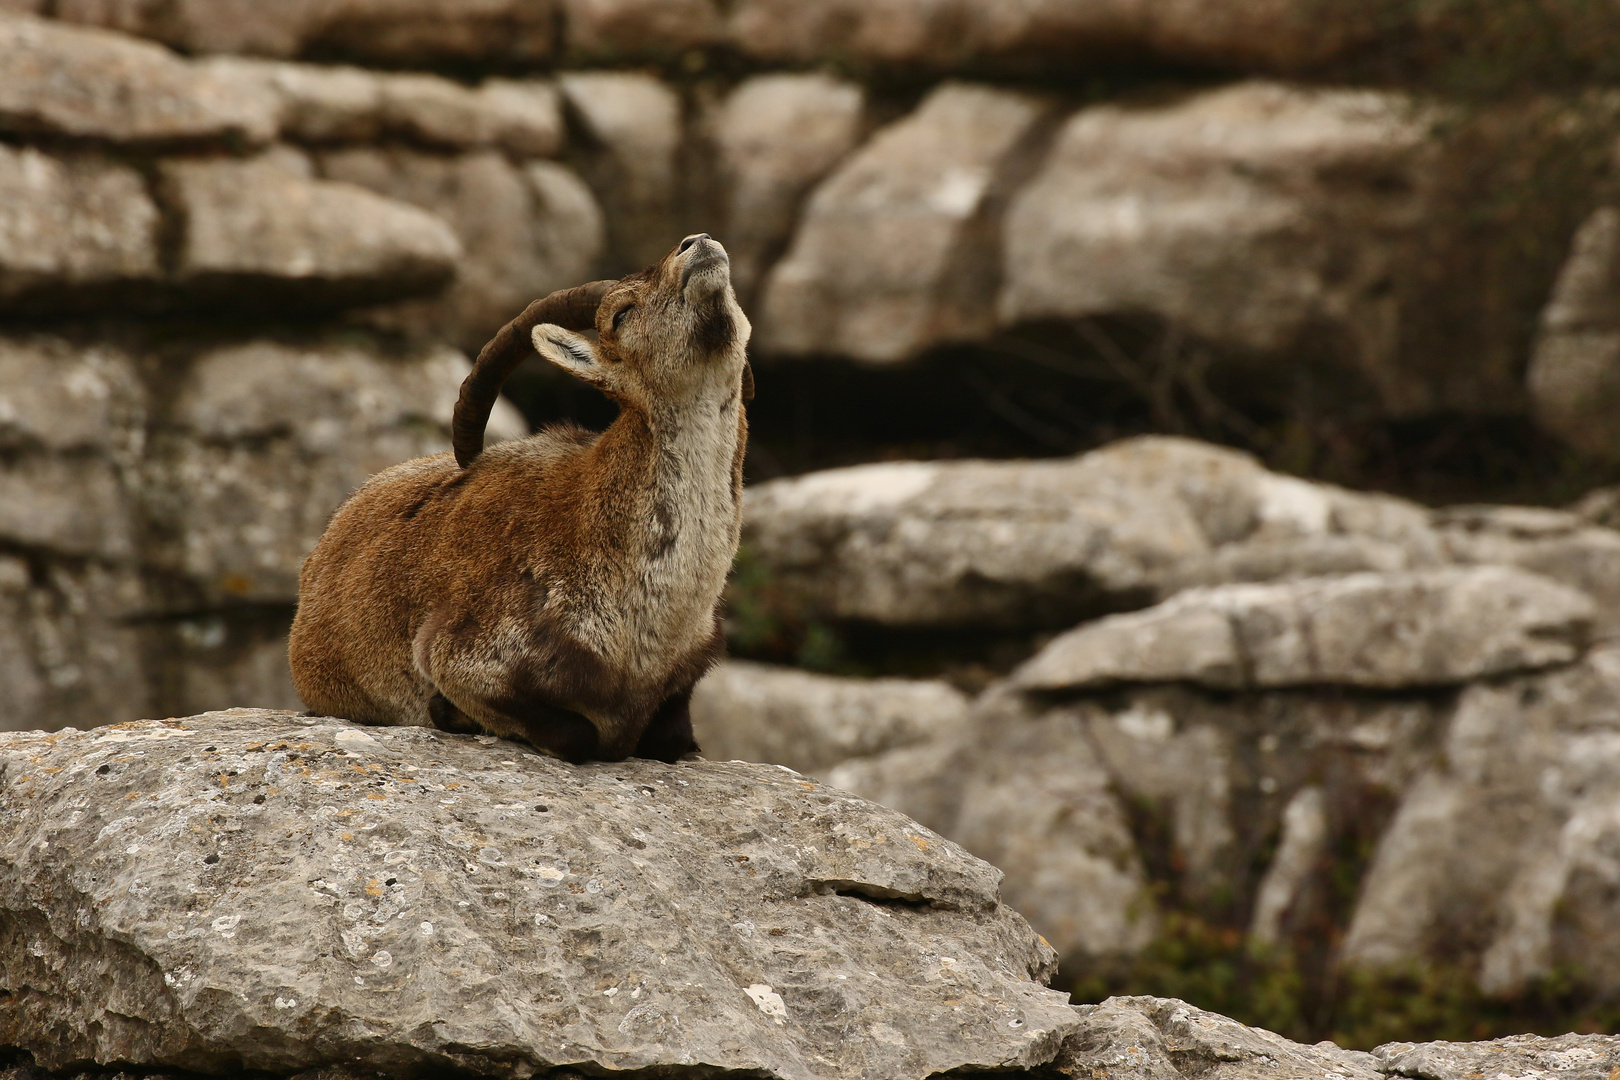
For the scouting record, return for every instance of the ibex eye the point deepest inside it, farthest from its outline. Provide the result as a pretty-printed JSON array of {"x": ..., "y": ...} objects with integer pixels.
[{"x": 618, "y": 317}]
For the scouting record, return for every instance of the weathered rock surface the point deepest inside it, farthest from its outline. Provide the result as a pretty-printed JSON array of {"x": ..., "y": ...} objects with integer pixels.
[
  {"x": 777, "y": 136},
  {"x": 1501, "y": 853},
  {"x": 266, "y": 439},
  {"x": 1423, "y": 628},
  {"x": 1567, "y": 1057},
  {"x": 67, "y": 81},
  {"x": 896, "y": 250},
  {"x": 631, "y": 127},
  {"x": 394, "y": 31},
  {"x": 1051, "y": 542},
  {"x": 808, "y": 722},
  {"x": 523, "y": 231},
  {"x": 323, "y": 103},
  {"x": 1145, "y": 1038},
  {"x": 265, "y": 230},
  {"x": 1574, "y": 378},
  {"x": 1027, "y": 792},
  {"x": 70, "y": 227},
  {"x": 283, "y": 892},
  {"x": 72, "y": 425}
]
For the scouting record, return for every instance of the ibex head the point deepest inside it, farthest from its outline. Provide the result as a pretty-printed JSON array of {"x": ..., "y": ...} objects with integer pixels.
[{"x": 664, "y": 335}]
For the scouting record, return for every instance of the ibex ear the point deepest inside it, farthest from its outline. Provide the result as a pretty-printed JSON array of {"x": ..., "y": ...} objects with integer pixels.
[
  {"x": 569, "y": 351},
  {"x": 748, "y": 381}
]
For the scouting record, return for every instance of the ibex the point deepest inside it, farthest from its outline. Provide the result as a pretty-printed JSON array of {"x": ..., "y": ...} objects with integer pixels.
[{"x": 561, "y": 589}]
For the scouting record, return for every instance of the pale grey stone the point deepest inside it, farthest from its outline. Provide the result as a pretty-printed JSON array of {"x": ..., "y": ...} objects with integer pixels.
[
  {"x": 895, "y": 251},
  {"x": 1574, "y": 378},
  {"x": 317, "y": 102},
  {"x": 265, "y": 440},
  {"x": 1411, "y": 629},
  {"x": 524, "y": 232},
  {"x": 777, "y": 136},
  {"x": 68, "y": 651},
  {"x": 809, "y": 722},
  {"x": 1145, "y": 1038},
  {"x": 69, "y": 223},
  {"x": 265, "y": 228},
  {"x": 1500, "y": 854},
  {"x": 1026, "y": 791},
  {"x": 83, "y": 83},
  {"x": 1566, "y": 1057},
  {"x": 1229, "y": 214},
  {"x": 1300, "y": 850},
  {"x": 631, "y": 124},
  {"x": 449, "y": 902},
  {"x": 1051, "y": 542},
  {"x": 62, "y": 398}
]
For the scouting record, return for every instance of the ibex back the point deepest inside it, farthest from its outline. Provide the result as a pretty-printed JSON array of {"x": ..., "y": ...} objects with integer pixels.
[{"x": 559, "y": 589}]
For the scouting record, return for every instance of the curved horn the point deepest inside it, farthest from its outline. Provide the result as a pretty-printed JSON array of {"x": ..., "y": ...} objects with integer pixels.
[{"x": 572, "y": 309}]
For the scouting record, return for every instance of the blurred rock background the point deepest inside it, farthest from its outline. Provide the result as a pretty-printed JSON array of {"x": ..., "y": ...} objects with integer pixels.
[{"x": 1179, "y": 463}]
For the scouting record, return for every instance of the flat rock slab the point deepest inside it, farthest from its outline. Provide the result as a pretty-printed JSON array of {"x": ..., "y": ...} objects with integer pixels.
[{"x": 269, "y": 891}]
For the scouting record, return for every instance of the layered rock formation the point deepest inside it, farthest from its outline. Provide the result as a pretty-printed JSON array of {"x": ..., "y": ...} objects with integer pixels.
[{"x": 293, "y": 895}]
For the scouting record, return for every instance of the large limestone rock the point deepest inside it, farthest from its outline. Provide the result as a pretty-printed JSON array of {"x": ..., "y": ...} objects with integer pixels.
[
  {"x": 1020, "y": 544},
  {"x": 630, "y": 124},
  {"x": 264, "y": 230},
  {"x": 1567, "y": 1057},
  {"x": 1574, "y": 379},
  {"x": 1424, "y": 628},
  {"x": 393, "y": 31},
  {"x": 524, "y": 230},
  {"x": 71, "y": 228},
  {"x": 263, "y": 442},
  {"x": 1501, "y": 853},
  {"x": 808, "y": 722},
  {"x": 79, "y": 83},
  {"x": 896, "y": 250},
  {"x": 283, "y": 892},
  {"x": 777, "y": 136}
]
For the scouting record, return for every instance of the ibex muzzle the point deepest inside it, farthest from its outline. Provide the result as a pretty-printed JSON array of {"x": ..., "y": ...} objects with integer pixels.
[{"x": 560, "y": 589}]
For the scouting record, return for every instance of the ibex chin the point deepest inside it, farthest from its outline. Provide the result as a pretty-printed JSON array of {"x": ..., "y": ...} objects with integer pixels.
[{"x": 559, "y": 589}]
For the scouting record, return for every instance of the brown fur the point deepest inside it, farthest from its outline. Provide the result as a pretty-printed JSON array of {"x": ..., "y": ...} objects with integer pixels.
[{"x": 562, "y": 589}]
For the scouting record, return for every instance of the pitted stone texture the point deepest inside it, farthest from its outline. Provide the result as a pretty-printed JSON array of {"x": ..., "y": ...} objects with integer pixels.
[
  {"x": 1574, "y": 379},
  {"x": 1424, "y": 628},
  {"x": 1567, "y": 1057},
  {"x": 611, "y": 29},
  {"x": 808, "y": 722},
  {"x": 68, "y": 81},
  {"x": 290, "y": 892},
  {"x": 71, "y": 226},
  {"x": 264, "y": 231},
  {"x": 265, "y": 440},
  {"x": 778, "y": 135},
  {"x": 1144, "y": 1038},
  {"x": 1500, "y": 853},
  {"x": 896, "y": 249},
  {"x": 524, "y": 232},
  {"x": 393, "y": 31},
  {"x": 1051, "y": 542},
  {"x": 631, "y": 127},
  {"x": 1027, "y": 792}
]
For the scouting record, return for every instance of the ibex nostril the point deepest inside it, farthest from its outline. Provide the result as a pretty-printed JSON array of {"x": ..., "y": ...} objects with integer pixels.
[{"x": 690, "y": 240}]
